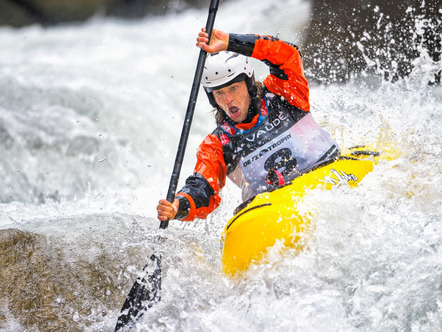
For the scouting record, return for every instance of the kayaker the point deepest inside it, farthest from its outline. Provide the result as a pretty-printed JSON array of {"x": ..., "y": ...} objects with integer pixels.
[{"x": 265, "y": 134}]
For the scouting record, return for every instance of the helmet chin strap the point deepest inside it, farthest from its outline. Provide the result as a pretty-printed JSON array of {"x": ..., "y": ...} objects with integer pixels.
[{"x": 251, "y": 113}]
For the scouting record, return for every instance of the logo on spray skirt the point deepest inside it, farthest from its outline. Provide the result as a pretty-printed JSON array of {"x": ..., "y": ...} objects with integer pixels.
[{"x": 338, "y": 177}]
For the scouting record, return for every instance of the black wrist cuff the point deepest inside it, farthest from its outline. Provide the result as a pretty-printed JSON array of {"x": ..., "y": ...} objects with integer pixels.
[
  {"x": 183, "y": 208},
  {"x": 242, "y": 44}
]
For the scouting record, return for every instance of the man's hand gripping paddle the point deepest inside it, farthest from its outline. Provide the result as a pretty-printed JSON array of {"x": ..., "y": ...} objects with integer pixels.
[{"x": 146, "y": 291}]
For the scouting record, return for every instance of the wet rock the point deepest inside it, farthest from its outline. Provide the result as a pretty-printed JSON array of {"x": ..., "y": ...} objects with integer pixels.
[
  {"x": 53, "y": 283},
  {"x": 24, "y": 12},
  {"x": 349, "y": 37},
  {"x": 140, "y": 8}
]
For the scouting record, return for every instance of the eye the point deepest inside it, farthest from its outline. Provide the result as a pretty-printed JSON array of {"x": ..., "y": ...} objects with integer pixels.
[{"x": 218, "y": 92}]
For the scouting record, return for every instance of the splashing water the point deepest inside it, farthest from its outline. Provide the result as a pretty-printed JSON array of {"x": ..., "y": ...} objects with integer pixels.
[{"x": 89, "y": 118}]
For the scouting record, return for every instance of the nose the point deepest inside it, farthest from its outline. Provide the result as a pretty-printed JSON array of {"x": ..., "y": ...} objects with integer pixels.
[{"x": 228, "y": 97}]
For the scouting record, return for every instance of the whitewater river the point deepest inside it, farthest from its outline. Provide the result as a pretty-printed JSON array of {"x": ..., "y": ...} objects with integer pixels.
[{"x": 90, "y": 119}]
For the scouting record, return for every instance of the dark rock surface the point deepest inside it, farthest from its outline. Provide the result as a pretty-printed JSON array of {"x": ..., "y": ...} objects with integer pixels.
[
  {"x": 345, "y": 38},
  {"x": 19, "y": 13},
  {"x": 52, "y": 283}
]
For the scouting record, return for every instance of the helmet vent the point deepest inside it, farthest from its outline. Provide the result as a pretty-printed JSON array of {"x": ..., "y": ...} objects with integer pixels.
[{"x": 221, "y": 69}]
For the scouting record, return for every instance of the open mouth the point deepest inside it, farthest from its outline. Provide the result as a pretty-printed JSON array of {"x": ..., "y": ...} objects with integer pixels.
[{"x": 233, "y": 110}]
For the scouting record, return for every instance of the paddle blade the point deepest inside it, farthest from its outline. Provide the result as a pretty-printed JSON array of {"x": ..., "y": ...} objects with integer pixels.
[{"x": 144, "y": 294}]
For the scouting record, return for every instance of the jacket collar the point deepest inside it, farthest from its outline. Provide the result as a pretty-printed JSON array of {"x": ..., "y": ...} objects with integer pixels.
[{"x": 243, "y": 128}]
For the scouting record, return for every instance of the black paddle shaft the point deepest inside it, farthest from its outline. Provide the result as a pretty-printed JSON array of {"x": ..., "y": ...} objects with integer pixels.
[
  {"x": 146, "y": 290},
  {"x": 189, "y": 113}
]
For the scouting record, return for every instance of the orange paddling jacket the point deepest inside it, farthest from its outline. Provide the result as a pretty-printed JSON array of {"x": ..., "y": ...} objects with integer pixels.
[{"x": 282, "y": 125}]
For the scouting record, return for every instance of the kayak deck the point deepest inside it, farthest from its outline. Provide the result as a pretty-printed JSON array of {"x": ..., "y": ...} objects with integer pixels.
[{"x": 273, "y": 216}]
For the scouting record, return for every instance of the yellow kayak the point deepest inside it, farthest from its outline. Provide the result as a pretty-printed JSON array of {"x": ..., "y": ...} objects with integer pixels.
[{"x": 273, "y": 216}]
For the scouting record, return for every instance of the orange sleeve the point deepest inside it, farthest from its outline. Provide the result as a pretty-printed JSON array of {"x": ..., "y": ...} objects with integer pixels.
[
  {"x": 211, "y": 166},
  {"x": 288, "y": 59}
]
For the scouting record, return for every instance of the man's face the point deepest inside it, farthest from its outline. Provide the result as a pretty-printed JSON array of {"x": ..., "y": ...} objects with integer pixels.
[{"x": 234, "y": 100}]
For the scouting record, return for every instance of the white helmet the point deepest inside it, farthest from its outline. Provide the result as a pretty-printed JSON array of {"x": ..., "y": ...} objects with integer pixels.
[{"x": 224, "y": 68}]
